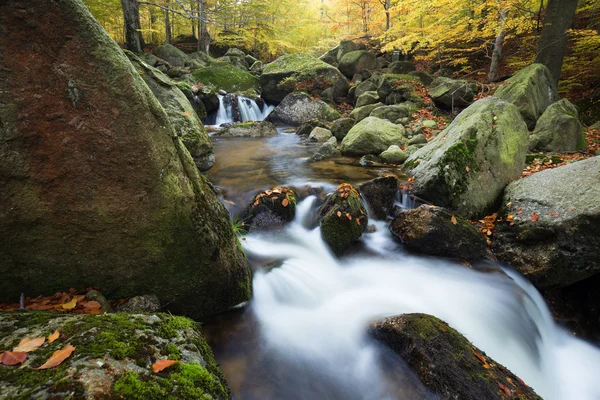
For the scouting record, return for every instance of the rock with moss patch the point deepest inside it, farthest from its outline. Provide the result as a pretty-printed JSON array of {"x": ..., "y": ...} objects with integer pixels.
[
  {"x": 270, "y": 209},
  {"x": 360, "y": 113},
  {"x": 200, "y": 59},
  {"x": 450, "y": 93},
  {"x": 224, "y": 76},
  {"x": 395, "y": 112},
  {"x": 103, "y": 189},
  {"x": 248, "y": 129},
  {"x": 364, "y": 87},
  {"x": 113, "y": 357},
  {"x": 320, "y": 135},
  {"x": 341, "y": 127},
  {"x": 297, "y": 108},
  {"x": 306, "y": 128},
  {"x": 555, "y": 232},
  {"x": 445, "y": 362},
  {"x": 558, "y": 129},
  {"x": 401, "y": 67},
  {"x": 356, "y": 61},
  {"x": 396, "y": 89},
  {"x": 380, "y": 194},
  {"x": 172, "y": 55},
  {"x": 256, "y": 68},
  {"x": 238, "y": 62},
  {"x": 466, "y": 167},
  {"x": 438, "y": 232},
  {"x": 343, "y": 218},
  {"x": 425, "y": 77},
  {"x": 327, "y": 150},
  {"x": 532, "y": 90},
  {"x": 367, "y": 98},
  {"x": 141, "y": 304},
  {"x": 372, "y": 136},
  {"x": 393, "y": 155},
  {"x": 418, "y": 139}
]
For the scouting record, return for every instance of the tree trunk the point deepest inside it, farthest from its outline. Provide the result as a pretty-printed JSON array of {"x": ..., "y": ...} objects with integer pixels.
[
  {"x": 553, "y": 41},
  {"x": 153, "y": 21},
  {"x": 497, "y": 52},
  {"x": 133, "y": 34},
  {"x": 203, "y": 36},
  {"x": 167, "y": 26},
  {"x": 387, "y": 14}
]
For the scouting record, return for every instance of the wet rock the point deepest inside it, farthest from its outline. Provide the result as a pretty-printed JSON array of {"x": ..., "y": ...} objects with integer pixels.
[
  {"x": 372, "y": 136},
  {"x": 343, "y": 218},
  {"x": 172, "y": 55},
  {"x": 356, "y": 61},
  {"x": 380, "y": 194},
  {"x": 306, "y": 128},
  {"x": 451, "y": 93},
  {"x": 297, "y": 108},
  {"x": 558, "y": 129},
  {"x": 438, "y": 232},
  {"x": 466, "y": 167},
  {"x": 141, "y": 304},
  {"x": 270, "y": 209},
  {"x": 360, "y": 113},
  {"x": 393, "y": 155},
  {"x": 327, "y": 150},
  {"x": 248, "y": 129},
  {"x": 555, "y": 232},
  {"x": 445, "y": 361},
  {"x": 341, "y": 127},
  {"x": 320, "y": 135}
]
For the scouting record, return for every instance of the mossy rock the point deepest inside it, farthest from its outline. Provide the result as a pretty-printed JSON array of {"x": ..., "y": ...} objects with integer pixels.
[
  {"x": 445, "y": 362},
  {"x": 298, "y": 108},
  {"x": 343, "y": 218},
  {"x": 171, "y": 54},
  {"x": 341, "y": 127},
  {"x": 356, "y": 61},
  {"x": 558, "y": 129},
  {"x": 113, "y": 357},
  {"x": 248, "y": 129},
  {"x": 367, "y": 98},
  {"x": 360, "y": 113},
  {"x": 380, "y": 194},
  {"x": 401, "y": 67},
  {"x": 200, "y": 59},
  {"x": 394, "y": 112},
  {"x": 270, "y": 209},
  {"x": 224, "y": 76},
  {"x": 306, "y": 128},
  {"x": 364, "y": 87},
  {"x": 372, "y": 136},
  {"x": 396, "y": 89},
  {"x": 449, "y": 93}
]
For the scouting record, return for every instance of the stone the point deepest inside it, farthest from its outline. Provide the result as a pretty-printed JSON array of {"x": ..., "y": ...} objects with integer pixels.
[
  {"x": 369, "y": 160},
  {"x": 306, "y": 128},
  {"x": 372, "y": 136},
  {"x": 238, "y": 62},
  {"x": 417, "y": 139},
  {"x": 558, "y": 129},
  {"x": 200, "y": 59},
  {"x": 355, "y": 61},
  {"x": 532, "y": 90},
  {"x": 94, "y": 295},
  {"x": 343, "y": 218},
  {"x": 436, "y": 231},
  {"x": 94, "y": 180},
  {"x": 367, "y": 98},
  {"x": 380, "y": 195},
  {"x": 429, "y": 123},
  {"x": 345, "y": 47},
  {"x": 425, "y": 77},
  {"x": 270, "y": 209},
  {"x": 466, "y": 167},
  {"x": 327, "y": 150},
  {"x": 364, "y": 87},
  {"x": 400, "y": 67},
  {"x": 248, "y": 129},
  {"x": 394, "y": 112},
  {"x": 341, "y": 127},
  {"x": 320, "y": 135},
  {"x": 360, "y": 113},
  {"x": 256, "y": 67},
  {"x": 447, "y": 364},
  {"x": 141, "y": 304},
  {"x": 555, "y": 232},
  {"x": 298, "y": 108},
  {"x": 451, "y": 93},
  {"x": 396, "y": 89},
  {"x": 226, "y": 77},
  {"x": 393, "y": 155},
  {"x": 172, "y": 55}
]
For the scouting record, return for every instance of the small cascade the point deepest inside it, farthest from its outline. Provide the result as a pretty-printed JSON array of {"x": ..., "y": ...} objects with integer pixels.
[{"x": 234, "y": 108}]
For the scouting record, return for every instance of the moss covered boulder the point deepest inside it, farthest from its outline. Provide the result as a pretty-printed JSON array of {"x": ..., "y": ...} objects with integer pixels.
[
  {"x": 248, "y": 129},
  {"x": 182, "y": 115},
  {"x": 224, "y": 76},
  {"x": 395, "y": 89},
  {"x": 113, "y": 358},
  {"x": 364, "y": 87},
  {"x": 341, "y": 127},
  {"x": 393, "y": 155},
  {"x": 532, "y": 90},
  {"x": 284, "y": 75},
  {"x": 446, "y": 362},
  {"x": 553, "y": 233},
  {"x": 356, "y": 61},
  {"x": 466, "y": 166},
  {"x": 449, "y": 93},
  {"x": 436, "y": 231},
  {"x": 269, "y": 209},
  {"x": 298, "y": 108},
  {"x": 172, "y": 55},
  {"x": 380, "y": 194},
  {"x": 372, "y": 136},
  {"x": 360, "y": 113},
  {"x": 96, "y": 187},
  {"x": 401, "y": 67},
  {"x": 558, "y": 129},
  {"x": 367, "y": 98},
  {"x": 395, "y": 112},
  {"x": 343, "y": 218}
]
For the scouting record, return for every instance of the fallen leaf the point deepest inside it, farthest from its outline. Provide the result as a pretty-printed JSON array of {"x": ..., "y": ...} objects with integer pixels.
[
  {"x": 70, "y": 305},
  {"x": 453, "y": 219},
  {"x": 53, "y": 337},
  {"x": 510, "y": 381},
  {"x": 467, "y": 168},
  {"x": 13, "y": 357},
  {"x": 163, "y": 364},
  {"x": 28, "y": 345},
  {"x": 187, "y": 113},
  {"x": 339, "y": 213},
  {"x": 57, "y": 357},
  {"x": 285, "y": 202},
  {"x": 357, "y": 221},
  {"x": 349, "y": 216},
  {"x": 534, "y": 217},
  {"x": 506, "y": 389},
  {"x": 90, "y": 305}
]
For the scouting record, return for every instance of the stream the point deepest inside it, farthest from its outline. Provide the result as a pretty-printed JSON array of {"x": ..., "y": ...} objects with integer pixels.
[{"x": 303, "y": 335}]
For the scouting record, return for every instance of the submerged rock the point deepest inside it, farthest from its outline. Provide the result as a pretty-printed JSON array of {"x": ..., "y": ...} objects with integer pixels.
[
  {"x": 248, "y": 129},
  {"x": 372, "y": 136},
  {"x": 380, "y": 194},
  {"x": 327, "y": 150},
  {"x": 343, "y": 218},
  {"x": 297, "y": 108},
  {"x": 270, "y": 209},
  {"x": 554, "y": 234},
  {"x": 558, "y": 129},
  {"x": 446, "y": 362},
  {"x": 436, "y": 231}
]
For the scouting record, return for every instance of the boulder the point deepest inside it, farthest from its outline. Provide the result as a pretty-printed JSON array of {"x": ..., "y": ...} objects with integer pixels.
[
  {"x": 270, "y": 209},
  {"x": 297, "y": 108},
  {"x": 364, "y": 87},
  {"x": 372, "y": 136},
  {"x": 343, "y": 218},
  {"x": 256, "y": 67},
  {"x": 94, "y": 181},
  {"x": 112, "y": 359},
  {"x": 554, "y": 233},
  {"x": 425, "y": 77},
  {"x": 393, "y": 155},
  {"x": 238, "y": 62},
  {"x": 429, "y": 123},
  {"x": 234, "y": 52},
  {"x": 327, "y": 150},
  {"x": 450, "y": 93},
  {"x": 395, "y": 89},
  {"x": 436, "y": 231},
  {"x": 180, "y": 111},
  {"x": 172, "y": 55},
  {"x": 532, "y": 90},
  {"x": 341, "y": 127},
  {"x": 330, "y": 57},
  {"x": 401, "y": 67},
  {"x": 466, "y": 167},
  {"x": 141, "y": 304},
  {"x": 248, "y": 129},
  {"x": 226, "y": 77},
  {"x": 380, "y": 194},
  {"x": 360, "y": 113},
  {"x": 306, "y": 128},
  {"x": 394, "y": 112},
  {"x": 417, "y": 139},
  {"x": 367, "y": 98},
  {"x": 355, "y": 61},
  {"x": 345, "y": 47},
  {"x": 558, "y": 129},
  {"x": 445, "y": 362},
  {"x": 200, "y": 59},
  {"x": 280, "y": 77},
  {"x": 320, "y": 135}
]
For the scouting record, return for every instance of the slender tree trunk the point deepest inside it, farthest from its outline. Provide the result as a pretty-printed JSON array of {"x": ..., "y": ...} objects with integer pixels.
[
  {"x": 133, "y": 35},
  {"x": 153, "y": 21},
  {"x": 388, "y": 4},
  {"x": 167, "y": 26},
  {"x": 203, "y": 36},
  {"x": 193, "y": 11},
  {"x": 553, "y": 41},
  {"x": 497, "y": 52}
]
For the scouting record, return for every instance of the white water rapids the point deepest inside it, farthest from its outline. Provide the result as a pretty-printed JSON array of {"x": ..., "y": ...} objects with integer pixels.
[{"x": 314, "y": 309}]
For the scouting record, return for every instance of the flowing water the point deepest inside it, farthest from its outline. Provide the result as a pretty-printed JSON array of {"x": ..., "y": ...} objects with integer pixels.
[
  {"x": 303, "y": 335},
  {"x": 234, "y": 108}
]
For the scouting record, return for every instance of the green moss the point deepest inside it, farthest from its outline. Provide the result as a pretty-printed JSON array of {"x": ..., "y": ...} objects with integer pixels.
[
  {"x": 224, "y": 76},
  {"x": 132, "y": 387},
  {"x": 169, "y": 327}
]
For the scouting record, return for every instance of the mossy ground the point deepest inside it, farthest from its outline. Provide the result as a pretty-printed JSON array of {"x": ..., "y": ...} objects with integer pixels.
[{"x": 224, "y": 76}]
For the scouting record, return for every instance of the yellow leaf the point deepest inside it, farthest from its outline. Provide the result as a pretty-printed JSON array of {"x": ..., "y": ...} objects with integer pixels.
[
  {"x": 70, "y": 305},
  {"x": 339, "y": 213},
  {"x": 187, "y": 113},
  {"x": 53, "y": 337},
  {"x": 28, "y": 345},
  {"x": 453, "y": 219}
]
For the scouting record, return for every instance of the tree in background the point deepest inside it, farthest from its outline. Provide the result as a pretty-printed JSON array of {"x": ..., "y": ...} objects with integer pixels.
[{"x": 133, "y": 34}]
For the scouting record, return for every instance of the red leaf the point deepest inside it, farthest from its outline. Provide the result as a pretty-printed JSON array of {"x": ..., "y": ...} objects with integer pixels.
[
  {"x": 534, "y": 217},
  {"x": 163, "y": 364},
  {"x": 13, "y": 357}
]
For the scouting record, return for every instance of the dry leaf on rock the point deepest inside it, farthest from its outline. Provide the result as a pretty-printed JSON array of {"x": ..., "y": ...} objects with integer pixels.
[
  {"x": 28, "y": 345},
  {"x": 163, "y": 364},
  {"x": 58, "y": 357}
]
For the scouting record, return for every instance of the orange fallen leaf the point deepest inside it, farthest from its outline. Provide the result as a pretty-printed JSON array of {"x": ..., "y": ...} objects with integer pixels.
[
  {"x": 505, "y": 389},
  {"x": 70, "y": 305},
  {"x": 357, "y": 221},
  {"x": 349, "y": 216},
  {"x": 163, "y": 364},
  {"x": 453, "y": 219},
  {"x": 534, "y": 217},
  {"x": 13, "y": 357},
  {"x": 339, "y": 213},
  {"x": 92, "y": 304},
  {"x": 187, "y": 113},
  {"x": 28, "y": 345},
  {"x": 53, "y": 337},
  {"x": 285, "y": 202},
  {"x": 57, "y": 358}
]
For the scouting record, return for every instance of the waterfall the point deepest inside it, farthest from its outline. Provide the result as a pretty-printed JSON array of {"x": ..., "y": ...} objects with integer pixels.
[{"x": 234, "y": 108}]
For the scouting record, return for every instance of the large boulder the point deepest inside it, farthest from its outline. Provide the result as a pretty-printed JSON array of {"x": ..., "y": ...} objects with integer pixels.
[
  {"x": 466, "y": 167},
  {"x": 364, "y": 87},
  {"x": 171, "y": 54},
  {"x": 112, "y": 359},
  {"x": 553, "y": 233},
  {"x": 297, "y": 108},
  {"x": 451, "y": 93},
  {"x": 355, "y": 61},
  {"x": 96, "y": 188},
  {"x": 280, "y": 77},
  {"x": 445, "y": 362},
  {"x": 395, "y": 89},
  {"x": 558, "y": 129},
  {"x": 182, "y": 115},
  {"x": 395, "y": 112},
  {"x": 341, "y": 127},
  {"x": 380, "y": 194},
  {"x": 224, "y": 76},
  {"x": 343, "y": 218},
  {"x": 532, "y": 90},
  {"x": 372, "y": 136},
  {"x": 248, "y": 129},
  {"x": 437, "y": 232}
]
